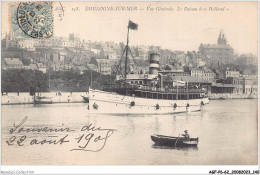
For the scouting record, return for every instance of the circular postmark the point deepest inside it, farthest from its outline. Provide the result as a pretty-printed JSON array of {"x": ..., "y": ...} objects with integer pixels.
[{"x": 35, "y": 19}]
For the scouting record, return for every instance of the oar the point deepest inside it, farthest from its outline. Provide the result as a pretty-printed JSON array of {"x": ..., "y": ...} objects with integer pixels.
[{"x": 177, "y": 140}]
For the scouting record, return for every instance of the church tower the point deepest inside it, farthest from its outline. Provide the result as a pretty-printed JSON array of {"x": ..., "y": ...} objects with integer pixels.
[{"x": 221, "y": 39}]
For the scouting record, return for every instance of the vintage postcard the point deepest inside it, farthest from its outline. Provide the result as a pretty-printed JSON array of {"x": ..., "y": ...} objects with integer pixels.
[{"x": 129, "y": 83}]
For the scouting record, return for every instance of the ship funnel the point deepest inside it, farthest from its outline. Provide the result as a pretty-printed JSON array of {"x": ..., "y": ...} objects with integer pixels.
[{"x": 154, "y": 63}]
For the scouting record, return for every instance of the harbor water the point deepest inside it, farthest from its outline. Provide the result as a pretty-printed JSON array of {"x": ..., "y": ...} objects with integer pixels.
[
  {"x": 56, "y": 97},
  {"x": 227, "y": 131}
]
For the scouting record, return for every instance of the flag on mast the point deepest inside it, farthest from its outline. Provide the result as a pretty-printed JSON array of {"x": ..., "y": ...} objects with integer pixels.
[{"x": 132, "y": 25}]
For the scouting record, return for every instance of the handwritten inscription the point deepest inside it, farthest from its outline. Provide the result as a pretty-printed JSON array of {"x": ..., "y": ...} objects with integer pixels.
[{"x": 89, "y": 137}]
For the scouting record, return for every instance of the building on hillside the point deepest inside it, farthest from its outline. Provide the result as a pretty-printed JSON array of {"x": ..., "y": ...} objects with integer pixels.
[
  {"x": 42, "y": 67},
  {"x": 62, "y": 56},
  {"x": 12, "y": 63},
  {"x": 8, "y": 42},
  {"x": 142, "y": 52},
  {"x": 203, "y": 73},
  {"x": 74, "y": 37},
  {"x": 56, "y": 42},
  {"x": 12, "y": 44},
  {"x": 112, "y": 56},
  {"x": 232, "y": 73},
  {"x": 33, "y": 66},
  {"x": 92, "y": 67},
  {"x": 43, "y": 43},
  {"x": 86, "y": 45},
  {"x": 250, "y": 76},
  {"x": 104, "y": 66},
  {"x": 68, "y": 43},
  {"x": 247, "y": 59},
  {"x": 37, "y": 66},
  {"x": 221, "y": 52},
  {"x": 20, "y": 43},
  {"x": 96, "y": 51},
  {"x": 118, "y": 51},
  {"x": 167, "y": 56}
]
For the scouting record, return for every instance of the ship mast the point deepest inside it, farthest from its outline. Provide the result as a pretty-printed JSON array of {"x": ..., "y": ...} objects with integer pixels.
[
  {"x": 126, "y": 50},
  {"x": 132, "y": 26}
]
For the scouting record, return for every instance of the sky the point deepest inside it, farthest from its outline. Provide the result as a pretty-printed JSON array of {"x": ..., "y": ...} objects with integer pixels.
[{"x": 176, "y": 30}]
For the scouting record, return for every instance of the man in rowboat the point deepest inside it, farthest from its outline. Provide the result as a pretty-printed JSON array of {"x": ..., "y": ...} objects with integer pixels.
[{"x": 186, "y": 135}]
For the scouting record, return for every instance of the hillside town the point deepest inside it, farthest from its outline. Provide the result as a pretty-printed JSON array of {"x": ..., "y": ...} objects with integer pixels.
[{"x": 214, "y": 66}]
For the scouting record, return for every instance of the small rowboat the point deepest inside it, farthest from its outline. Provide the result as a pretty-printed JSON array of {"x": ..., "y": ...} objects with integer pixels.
[{"x": 162, "y": 140}]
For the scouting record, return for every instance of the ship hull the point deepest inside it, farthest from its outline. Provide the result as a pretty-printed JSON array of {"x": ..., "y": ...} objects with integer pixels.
[{"x": 101, "y": 102}]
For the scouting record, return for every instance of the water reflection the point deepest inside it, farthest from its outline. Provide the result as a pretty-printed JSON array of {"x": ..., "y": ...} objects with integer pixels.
[
  {"x": 187, "y": 148},
  {"x": 156, "y": 124}
]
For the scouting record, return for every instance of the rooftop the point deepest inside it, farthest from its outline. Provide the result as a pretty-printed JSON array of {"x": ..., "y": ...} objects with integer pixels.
[
  {"x": 92, "y": 66},
  {"x": 216, "y": 46},
  {"x": 13, "y": 61},
  {"x": 206, "y": 70},
  {"x": 33, "y": 66}
]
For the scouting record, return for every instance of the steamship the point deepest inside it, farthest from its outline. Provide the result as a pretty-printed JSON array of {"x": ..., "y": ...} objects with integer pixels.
[{"x": 145, "y": 93}]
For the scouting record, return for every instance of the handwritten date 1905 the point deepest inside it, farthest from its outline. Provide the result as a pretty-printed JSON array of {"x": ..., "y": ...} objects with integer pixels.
[
  {"x": 87, "y": 138},
  {"x": 90, "y": 137}
]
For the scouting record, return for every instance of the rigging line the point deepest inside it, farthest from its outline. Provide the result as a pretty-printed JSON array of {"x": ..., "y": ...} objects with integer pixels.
[
  {"x": 121, "y": 61},
  {"x": 116, "y": 68},
  {"x": 133, "y": 57}
]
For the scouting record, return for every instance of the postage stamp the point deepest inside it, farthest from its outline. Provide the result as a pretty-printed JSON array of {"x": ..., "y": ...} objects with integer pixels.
[{"x": 31, "y": 20}]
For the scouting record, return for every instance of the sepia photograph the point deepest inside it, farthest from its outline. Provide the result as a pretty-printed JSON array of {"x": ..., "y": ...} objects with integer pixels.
[{"x": 129, "y": 83}]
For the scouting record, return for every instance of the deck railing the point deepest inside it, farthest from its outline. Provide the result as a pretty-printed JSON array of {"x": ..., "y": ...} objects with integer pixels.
[{"x": 155, "y": 89}]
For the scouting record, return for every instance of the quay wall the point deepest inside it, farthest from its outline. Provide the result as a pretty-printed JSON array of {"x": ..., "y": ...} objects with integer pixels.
[
  {"x": 231, "y": 96},
  {"x": 25, "y": 98}
]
